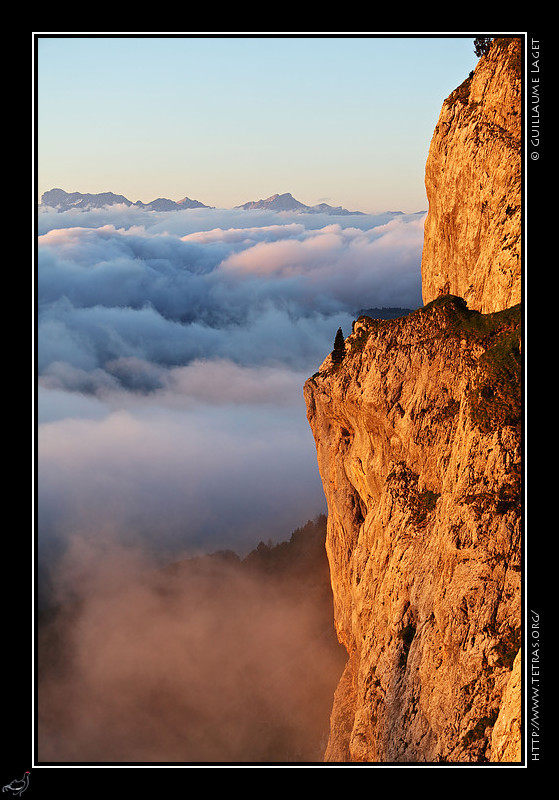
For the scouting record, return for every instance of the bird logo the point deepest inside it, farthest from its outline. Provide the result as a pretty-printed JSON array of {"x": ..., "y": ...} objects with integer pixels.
[{"x": 16, "y": 787}]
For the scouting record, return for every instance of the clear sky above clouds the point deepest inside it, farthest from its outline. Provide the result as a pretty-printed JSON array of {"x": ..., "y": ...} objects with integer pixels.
[{"x": 226, "y": 119}]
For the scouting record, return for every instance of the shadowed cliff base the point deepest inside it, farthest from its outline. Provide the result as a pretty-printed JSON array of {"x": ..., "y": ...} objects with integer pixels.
[{"x": 214, "y": 659}]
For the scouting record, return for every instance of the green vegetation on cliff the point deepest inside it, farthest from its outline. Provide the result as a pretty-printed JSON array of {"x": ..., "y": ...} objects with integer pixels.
[{"x": 495, "y": 396}]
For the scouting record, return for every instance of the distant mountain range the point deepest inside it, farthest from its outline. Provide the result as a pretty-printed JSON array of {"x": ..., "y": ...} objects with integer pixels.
[
  {"x": 64, "y": 201},
  {"x": 286, "y": 202},
  {"x": 388, "y": 312}
]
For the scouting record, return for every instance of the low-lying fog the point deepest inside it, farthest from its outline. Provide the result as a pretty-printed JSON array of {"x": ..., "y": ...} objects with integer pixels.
[{"x": 172, "y": 352}]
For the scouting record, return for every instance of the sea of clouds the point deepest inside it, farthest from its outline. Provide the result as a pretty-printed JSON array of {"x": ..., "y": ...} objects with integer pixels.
[{"x": 172, "y": 349}]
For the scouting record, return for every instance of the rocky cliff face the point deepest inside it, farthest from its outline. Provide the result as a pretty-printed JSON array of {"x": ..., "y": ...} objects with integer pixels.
[
  {"x": 417, "y": 424},
  {"x": 473, "y": 179}
]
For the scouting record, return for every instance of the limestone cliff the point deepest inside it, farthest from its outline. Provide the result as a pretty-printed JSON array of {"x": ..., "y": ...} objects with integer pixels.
[
  {"x": 417, "y": 424},
  {"x": 472, "y": 244}
]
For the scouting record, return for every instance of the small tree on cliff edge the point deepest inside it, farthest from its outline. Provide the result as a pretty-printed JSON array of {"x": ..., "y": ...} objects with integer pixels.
[
  {"x": 482, "y": 45},
  {"x": 339, "y": 347}
]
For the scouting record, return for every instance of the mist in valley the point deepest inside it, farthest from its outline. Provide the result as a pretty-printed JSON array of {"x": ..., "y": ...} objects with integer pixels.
[{"x": 209, "y": 660}]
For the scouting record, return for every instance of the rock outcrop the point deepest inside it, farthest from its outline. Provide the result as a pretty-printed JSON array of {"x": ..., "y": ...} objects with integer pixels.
[
  {"x": 417, "y": 424},
  {"x": 472, "y": 245}
]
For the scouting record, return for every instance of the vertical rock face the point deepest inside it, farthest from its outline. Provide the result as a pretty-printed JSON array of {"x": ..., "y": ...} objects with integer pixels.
[
  {"x": 472, "y": 244},
  {"x": 417, "y": 424}
]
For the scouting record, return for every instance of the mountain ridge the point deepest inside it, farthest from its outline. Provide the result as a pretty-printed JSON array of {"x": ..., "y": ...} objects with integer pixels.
[
  {"x": 84, "y": 201},
  {"x": 286, "y": 202},
  {"x": 61, "y": 200}
]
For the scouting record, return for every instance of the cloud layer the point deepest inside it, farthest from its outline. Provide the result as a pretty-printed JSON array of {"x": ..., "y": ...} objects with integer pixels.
[{"x": 172, "y": 351}]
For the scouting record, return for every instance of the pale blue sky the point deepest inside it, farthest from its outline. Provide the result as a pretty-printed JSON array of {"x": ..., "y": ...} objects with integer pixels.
[{"x": 224, "y": 120}]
